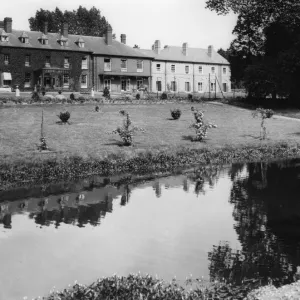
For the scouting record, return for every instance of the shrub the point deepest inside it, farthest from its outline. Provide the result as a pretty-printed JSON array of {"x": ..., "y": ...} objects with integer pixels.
[
  {"x": 106, "y": 93},
  {"x": 72, "y": 96},
  {"x": 176, "y": 113},
  {"x": 64, "y": 116},
  {"x": 59, "y": 91},
  {"x": 190, "y": 97},
  {"x": 35, "y": 96},
  {"x": 137, "y": 96},
  {"x": 127, "y": 131},
  {"x": 263, "y": 114},
  {"x": 199, "y": 126},
  {"x": 164, "y": 96}
]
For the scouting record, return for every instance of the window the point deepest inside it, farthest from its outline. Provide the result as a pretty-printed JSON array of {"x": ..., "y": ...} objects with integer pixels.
[
  {"x": 6, "y": 59},
  {"x": 187, "y": 86},
  {"x": 81, "y": 44},
  {"x": 224, "y": 71},
  {"x": 200, "y": 86},
  {"x": 125, "y": 84},
  {"x": 139, "y": 65},
  {"x": 6, "y": 82},
  {"x": 3, "y": 38},
  {"x": 187, "y": 69},
  {"x": 200, "y": 69},
  {"x": 173, "y": 86},
  {"x": 107, "y": 83},
  {"x": 158, "y": 85},
  {"x": 66, "y": 62},
  {"x": 212, "y": 87},
  {"x": 124, "y": 65},
  {"x": 107, "y": 64},
  {"x": 63, "y": 43},
  {"x": 84, "y": 81},
  {"x": 27, "y": 80},
  {"x": 47, "y": 63},
  {"x": 224, "y": 87},
  {"x": 84, "y": 63},
  {"x": 173, "y": 68},
  {"x": 27, "y": 60},
  {"x": 213, "y": 70},
  {"x": 157, "y": 67},
  {"x": 66, "y": 80},
  {"x": 44, "y": 41},
  {"x": 24, "y": 40},
  {"x": 139, "y": 84}
]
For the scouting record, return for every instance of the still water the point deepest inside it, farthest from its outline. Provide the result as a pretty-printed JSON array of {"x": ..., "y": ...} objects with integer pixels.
[{"x": 232, "y": 222}]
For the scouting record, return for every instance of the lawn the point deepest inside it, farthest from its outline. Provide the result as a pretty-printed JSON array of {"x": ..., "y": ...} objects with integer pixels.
[{"x": 87, "y": 135}]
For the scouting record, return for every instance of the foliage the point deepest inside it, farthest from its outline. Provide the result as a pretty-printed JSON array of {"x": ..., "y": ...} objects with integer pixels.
[
  {"x": 200, "y": 126},
  {"x": 106, "y": 93},
  {"x": 81, "y": 21},
  {"x": 64, "y": 117},
  {"x": 263, "y": 114},
  {"x": 176, "y": 113},
  {"x": 43, "y": 144},
  {"x": 72, "y": 96},
  {"x": 59, "y": 92},
  {"x": 127, "y": 131},
  {"x": 35, "y": 96},
  {"x": 190, "y": 97},
  {"x": 137, "y": 96},
  {"x": 164, "y": 96}
]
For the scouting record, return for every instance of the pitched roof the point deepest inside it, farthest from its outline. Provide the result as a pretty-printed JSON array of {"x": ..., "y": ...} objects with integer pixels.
[
  {"x": 195, "y": 55},
  {"x": 92, "y": 44}
]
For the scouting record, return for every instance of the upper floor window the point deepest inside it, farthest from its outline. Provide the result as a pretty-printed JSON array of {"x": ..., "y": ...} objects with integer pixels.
[
  {"x": 213, "y": 70},
  {"x": 123, "y": 64},
  {"x": 200, "y": 69},
  {"x": 24, "y": 38},
  {"x": 107, "y": 64},
  {"x": 47, "y": 62},
  {"x": 157, "y": 67},
  {"x": 3, "y": 36},
  {"x": 84, "y": 62},
  {"x": 81, "y": 44},
  {"x": 173, "y": 68},
  {"x": 187, "y": 69},
  {"x": 63, "y": 41},
  {"x": 139, "y": 65},
  {"x": 43, "y": 39},
  {"x": 224, "y": 71},
  {"x": 66, "y": 62},
  {"x": 27, "y": 60},
  {"x": 6, "y": 59}
]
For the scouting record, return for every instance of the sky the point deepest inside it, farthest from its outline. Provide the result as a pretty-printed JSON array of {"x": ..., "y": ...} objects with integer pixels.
[{"x": 173, "y": 22}]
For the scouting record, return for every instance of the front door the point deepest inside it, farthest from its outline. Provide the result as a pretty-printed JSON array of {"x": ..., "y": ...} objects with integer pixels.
[{"x": 47, "y": 81}]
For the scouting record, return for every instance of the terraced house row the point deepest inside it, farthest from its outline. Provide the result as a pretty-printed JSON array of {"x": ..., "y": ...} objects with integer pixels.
[{"x": 61, "y": 61}]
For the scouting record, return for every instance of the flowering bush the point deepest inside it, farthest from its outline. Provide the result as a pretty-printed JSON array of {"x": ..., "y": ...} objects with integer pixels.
[
  {"x": 106, "y": 93},
  {"x": 176, "y": 113},
  {"x": 263, "y": 114},
  {"x": 199, "y": 126},
  {"x": 64, "y": 116},
  {"x": 127, "y": 131}
]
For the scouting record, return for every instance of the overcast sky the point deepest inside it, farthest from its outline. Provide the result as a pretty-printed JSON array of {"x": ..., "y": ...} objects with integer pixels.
[{"x": 173, "y": 22}]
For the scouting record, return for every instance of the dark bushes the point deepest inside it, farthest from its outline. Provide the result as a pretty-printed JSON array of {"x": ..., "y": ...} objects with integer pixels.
[
  {"x": 176, "y": 113},
  {"x": 64, "y": 116}
]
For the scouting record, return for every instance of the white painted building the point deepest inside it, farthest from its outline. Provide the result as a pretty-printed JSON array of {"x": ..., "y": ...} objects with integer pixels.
[{"x": 189, "y": 70}]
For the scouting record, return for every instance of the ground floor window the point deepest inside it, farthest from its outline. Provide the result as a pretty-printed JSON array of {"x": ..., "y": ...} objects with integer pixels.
[
  {"x": 84, "y": 81},
  {"x": 125, "y": 84},
  {"x": 187, "y": 86},
  {"x": 139, "y": 83},
  {"x": 200, "y": 86},
  {"x": 173, "y": 86},
  {"x": 158, "y": 86},
  {"x": 66, "y": 80},
  {"x": 212, "y": 87},
  {"x": 107, "y": 83},
  {"x": 225, "y": 87},
  {"x": 27, "y": 80}
]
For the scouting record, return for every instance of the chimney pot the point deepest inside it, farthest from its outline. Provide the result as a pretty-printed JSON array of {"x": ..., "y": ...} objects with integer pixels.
[
  {"x": 7, "y": 25},
  {"x": 108, "y": 35},
  {"x": 185, "y": 49},
  {"x": 157, "y": 46},
  {"x": 210, "y": 50},
  {"x": 123, "y": 38},
  {"x": 45, "y": 28},
  {"x": 65, "y": 29}
]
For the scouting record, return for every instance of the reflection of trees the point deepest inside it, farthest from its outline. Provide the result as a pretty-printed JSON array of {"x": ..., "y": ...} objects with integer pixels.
[
  {"x": 126, "y": 195},
  {"x": 266, "y": 197}
]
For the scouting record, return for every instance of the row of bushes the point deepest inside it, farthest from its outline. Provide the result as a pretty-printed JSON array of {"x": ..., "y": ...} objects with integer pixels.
[{"x": 53, "y": 170}]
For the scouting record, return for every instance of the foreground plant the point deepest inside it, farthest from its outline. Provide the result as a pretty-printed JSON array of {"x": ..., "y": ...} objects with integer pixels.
[
  {"x": 176, "y": 113},
  {"x": 43, "y": 144},
  {"x": 200, "y": 126},
  {"x": 127, "y": 130},
  {"x": 263, "y": 114},
  {"x": 64, "y": 117}
]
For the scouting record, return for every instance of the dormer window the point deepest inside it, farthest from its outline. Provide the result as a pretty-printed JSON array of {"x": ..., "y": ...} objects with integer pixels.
[
  {"x": 3, "y": 36},
  {"x": 63, "y": 41},
  {"x": 80, "y": 43},
  {"x": 24, "y": 39},
  {"x": 43, "y": 39}
]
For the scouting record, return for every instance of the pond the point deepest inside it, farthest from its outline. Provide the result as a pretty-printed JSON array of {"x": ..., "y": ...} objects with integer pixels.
[{"x": 220, "y": 222}]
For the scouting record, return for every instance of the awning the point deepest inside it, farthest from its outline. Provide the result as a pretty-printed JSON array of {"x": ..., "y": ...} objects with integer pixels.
[{"x": 6, "y": 76}]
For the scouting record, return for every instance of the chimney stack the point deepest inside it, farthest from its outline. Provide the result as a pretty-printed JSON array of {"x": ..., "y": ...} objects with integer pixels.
[
  {"x": 108, "y": 35},
  {"x": 123, "y": 38},
  {"x": 157, "y": 46},
  {"x": 8, "y": 25},
  {"x": 210, "y": 51},
  {"x": 185, "y": 49},
  {"x": 45, "y": 28},
  {"x": 65, "y": 29}
]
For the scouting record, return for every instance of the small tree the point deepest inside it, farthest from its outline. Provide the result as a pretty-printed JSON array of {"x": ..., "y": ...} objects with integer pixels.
[
  {"x": 106, "y": 93},
  {"x": 199, "y": 126},
  {"x": 64, "y": 117},
  {"x": 263, "y": 114},
  {"x": 127, "y": 130}
]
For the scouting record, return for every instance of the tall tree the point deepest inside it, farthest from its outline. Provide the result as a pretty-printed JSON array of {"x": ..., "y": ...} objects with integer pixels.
[{"x": 81, "y": 21}]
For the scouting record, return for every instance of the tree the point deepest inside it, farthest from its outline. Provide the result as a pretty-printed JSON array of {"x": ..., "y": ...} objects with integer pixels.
[{"x": 80, "y": 21}]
